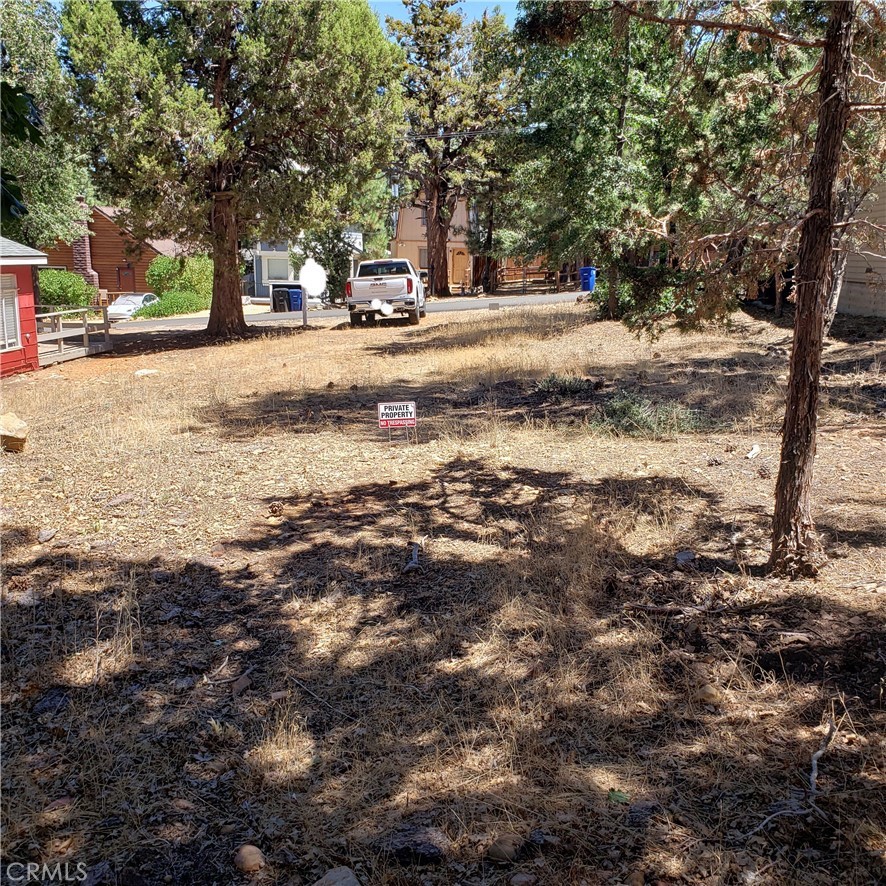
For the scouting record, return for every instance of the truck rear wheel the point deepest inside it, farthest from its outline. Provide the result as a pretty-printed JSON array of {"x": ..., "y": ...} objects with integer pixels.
[{"x": 414, "y": 317}]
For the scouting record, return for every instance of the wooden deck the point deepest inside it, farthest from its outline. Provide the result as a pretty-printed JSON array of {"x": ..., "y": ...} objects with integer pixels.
[{"x": 69, "y": 333}]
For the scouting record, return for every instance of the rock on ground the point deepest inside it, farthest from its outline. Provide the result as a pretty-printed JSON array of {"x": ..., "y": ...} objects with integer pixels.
[
  {"x": 506, "y": 847},
  {"x": 416, "y": 844},
  {"x": 249, "y": 859},
  {"x": 13, "y": 432},
  {"x": 338, "y": 877}
]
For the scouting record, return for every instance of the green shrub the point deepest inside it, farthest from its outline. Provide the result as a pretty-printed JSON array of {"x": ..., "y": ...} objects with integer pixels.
[
  {"x": 175, "y": 301},
  {"x": 162, "y": 274},
  {"x": 192, "y": 274},
  {"x": 62, "y": 289},
  {"x": 631, "y": 415},
  {"x": 565, "y": 385}
]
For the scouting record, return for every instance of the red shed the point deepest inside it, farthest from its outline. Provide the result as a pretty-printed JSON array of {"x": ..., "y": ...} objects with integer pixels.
[{"x": 18, "y": 334}]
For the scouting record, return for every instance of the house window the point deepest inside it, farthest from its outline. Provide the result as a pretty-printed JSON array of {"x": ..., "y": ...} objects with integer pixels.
[
  {"x": 423, "y": 258},
  {"x": 54, "y": 268},
  {"x": 10, "y": 334},
  {"x": 275, "y": 246},
  {"x": 424, "y": 216},
  {"x": 278, "y": 268}
]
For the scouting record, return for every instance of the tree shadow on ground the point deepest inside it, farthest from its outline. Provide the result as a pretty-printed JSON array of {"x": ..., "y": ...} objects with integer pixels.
[
  {"x": 462, "y": 408},
  {"x": 713, "y": 393},
  {"x": 500, "y": 328},
  {"x": 846, "y": 327},
  {"x": 141, "y": 342},
  {"x": 297, "y": 689}
]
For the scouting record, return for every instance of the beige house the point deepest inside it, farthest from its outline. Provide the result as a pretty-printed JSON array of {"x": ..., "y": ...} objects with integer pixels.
[
  {"x": 410, "y": 242},
  {"x": 864, "y": 285}
]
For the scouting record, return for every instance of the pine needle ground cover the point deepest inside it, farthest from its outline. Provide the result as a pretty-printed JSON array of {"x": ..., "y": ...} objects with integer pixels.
[{"x": 588, "y": 679}]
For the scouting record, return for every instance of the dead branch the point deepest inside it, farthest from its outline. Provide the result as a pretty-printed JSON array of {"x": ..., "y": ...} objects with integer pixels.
[
  {"x": 813, "y": 775},
  {"x": 323, "y": 700},
  {"x": 413, "y": 563},
  {"x": 245, "y": 673},
  {"x": 715, "y": 25},
  {"x": 207, "y": 678},
  {"x": 672, "y": 609},
  {"x": 793, "y": 808}
]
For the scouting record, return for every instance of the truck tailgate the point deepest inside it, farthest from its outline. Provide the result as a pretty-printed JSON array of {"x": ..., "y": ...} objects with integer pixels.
[{"x": 378, "y": 287}]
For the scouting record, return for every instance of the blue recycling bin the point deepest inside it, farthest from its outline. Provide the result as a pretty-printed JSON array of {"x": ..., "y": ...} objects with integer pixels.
[
  {"x": 588, "y": 279},
  {"x": 295, "y": 299}
]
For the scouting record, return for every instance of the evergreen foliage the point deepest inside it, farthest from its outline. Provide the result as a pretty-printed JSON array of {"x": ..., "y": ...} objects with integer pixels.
[
  {"x": 41, "y": 160},
  {"x": 229, "y": 122},
  {"x": 457, "y": 94}
]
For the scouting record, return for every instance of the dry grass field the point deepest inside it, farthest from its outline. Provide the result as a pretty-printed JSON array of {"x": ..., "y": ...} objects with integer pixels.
[{"x": 219, "y": 644}]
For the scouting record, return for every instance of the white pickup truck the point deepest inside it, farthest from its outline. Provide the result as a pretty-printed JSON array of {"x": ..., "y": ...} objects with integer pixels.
[{"x": 385, "y": 287}]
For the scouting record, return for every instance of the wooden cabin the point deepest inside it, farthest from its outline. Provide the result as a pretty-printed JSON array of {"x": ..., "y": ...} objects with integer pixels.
[{"x": 107, "y": 256}]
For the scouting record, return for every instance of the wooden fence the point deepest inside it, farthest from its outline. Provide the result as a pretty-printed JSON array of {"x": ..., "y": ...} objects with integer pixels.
[{"x": 68, "y": 333}]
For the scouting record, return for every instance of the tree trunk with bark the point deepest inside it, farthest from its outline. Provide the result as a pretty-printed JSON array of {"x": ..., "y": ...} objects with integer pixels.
[
  {"x": 621, "y": 31},
  {"x": 488, "y": 282},
  {"x": 849, "y": 199},
  {"x": 226, "y": 312},
  {"x": 838, "y": 274},
  {"x": 439, "y": 215},
  {"x": 796, "y": 549}
]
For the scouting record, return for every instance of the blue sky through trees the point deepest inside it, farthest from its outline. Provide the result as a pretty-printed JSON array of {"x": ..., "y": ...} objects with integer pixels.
[{"x": 473, "y": 9}]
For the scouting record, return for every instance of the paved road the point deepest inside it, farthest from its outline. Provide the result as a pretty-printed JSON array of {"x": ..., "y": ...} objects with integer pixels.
[{"x": 451, "y": 304}]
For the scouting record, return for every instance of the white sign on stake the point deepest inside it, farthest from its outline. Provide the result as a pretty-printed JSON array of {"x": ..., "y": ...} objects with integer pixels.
[{"x": 396, "y": 415}]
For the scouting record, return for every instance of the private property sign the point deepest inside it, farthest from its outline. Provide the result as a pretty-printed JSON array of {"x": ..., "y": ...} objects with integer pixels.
[{"x": 396, "y": 415}]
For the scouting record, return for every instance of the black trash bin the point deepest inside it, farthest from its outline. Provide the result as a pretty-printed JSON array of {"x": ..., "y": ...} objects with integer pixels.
[{"x": 279, "y": 299}]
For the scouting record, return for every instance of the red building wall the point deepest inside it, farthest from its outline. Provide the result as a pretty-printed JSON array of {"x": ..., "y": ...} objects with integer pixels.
[{"x": 23, "y": 359}]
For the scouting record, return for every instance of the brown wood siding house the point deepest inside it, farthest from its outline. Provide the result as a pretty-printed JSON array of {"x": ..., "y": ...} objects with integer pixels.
[{"x": 109, "y": 257}]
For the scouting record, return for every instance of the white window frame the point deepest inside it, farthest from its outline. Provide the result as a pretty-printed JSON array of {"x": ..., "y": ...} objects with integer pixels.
[
  {"x": 269, "y": 276},
  {"x": 5, "y": 294}
]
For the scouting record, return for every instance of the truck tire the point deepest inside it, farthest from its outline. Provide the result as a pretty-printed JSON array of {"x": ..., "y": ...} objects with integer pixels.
[
  {"x": 414, "y": 317},
  {"x": 355, "y": 319},
  {"x": 422, "y": 313}
]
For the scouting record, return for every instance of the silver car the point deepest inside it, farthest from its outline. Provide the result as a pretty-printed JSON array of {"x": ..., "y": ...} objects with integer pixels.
[{"x": 128, "y": 303}]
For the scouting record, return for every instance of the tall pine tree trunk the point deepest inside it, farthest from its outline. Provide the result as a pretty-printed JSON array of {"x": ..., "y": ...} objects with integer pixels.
[
  {"x": 439, "y": 218},
  {"x": 838, "y": 274},
  {"x": 226, "y": 312},
  {"x": 849, "y": 199},
  {"x": 621, "y": 31},
  {"x": 487, "y": 281},
  {"x": 796, "y": 549}
]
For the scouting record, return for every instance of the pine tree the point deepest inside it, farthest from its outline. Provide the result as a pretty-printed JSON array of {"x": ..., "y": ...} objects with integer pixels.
[
  {"x": 220, "y": 123},
  {"x": 456, "y": 93},
  {"x": 737, "y": 166},
  {"x": 49, "y": 172}
]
